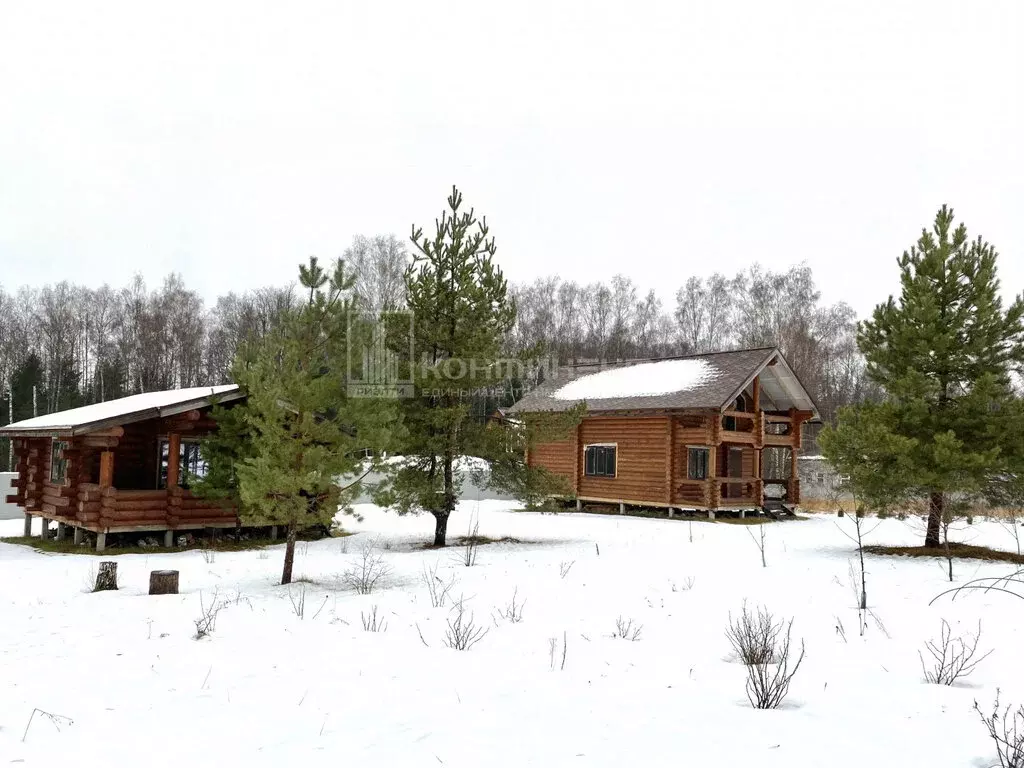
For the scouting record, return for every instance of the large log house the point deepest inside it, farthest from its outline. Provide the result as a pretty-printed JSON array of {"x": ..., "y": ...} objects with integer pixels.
[
  {"x": 719, "y": 431},
  {"x": 119, "y": 466}
]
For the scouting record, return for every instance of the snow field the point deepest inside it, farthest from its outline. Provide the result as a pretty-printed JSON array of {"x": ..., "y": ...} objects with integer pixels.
[{"x": 268, "y": 687}]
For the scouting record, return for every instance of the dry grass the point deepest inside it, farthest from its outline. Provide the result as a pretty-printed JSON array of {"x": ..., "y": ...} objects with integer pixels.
[
  {"x": 911, "y": 508},
  {"x": 958, "y": 551}
]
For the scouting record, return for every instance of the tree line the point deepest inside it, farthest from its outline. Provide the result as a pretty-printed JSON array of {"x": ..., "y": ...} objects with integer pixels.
[{"x": 65, "y": 345}]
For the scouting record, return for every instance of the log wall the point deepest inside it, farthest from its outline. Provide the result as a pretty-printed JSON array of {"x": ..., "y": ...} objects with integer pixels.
[{"x": 641, "y": 460}]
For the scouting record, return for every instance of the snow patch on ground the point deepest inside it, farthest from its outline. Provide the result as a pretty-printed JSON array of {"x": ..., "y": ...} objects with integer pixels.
[
  {"x": 643, "y": 379},
  {"x": 269, "y": 689}
]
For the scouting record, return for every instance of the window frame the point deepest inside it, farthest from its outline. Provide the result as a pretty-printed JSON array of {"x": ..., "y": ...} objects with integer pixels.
[
  {"x": 162, "y": 462},
  {"x": 706, "y": 449},
  {"x": 57, "y": 448},
  {"x": 613, "y": 448}
]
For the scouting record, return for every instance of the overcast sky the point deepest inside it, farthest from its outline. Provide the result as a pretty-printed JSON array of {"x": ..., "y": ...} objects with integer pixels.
[{"x": 228, "y": 142}]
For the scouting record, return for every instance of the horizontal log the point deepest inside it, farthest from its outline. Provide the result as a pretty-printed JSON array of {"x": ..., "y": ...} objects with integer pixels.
[
  {"x": 160, "y": 504},
  {"x": 57, "y": 501},
  {"x": 137, "y": 515},
  {"x": 89, "y": 506},
  {"x": 140, "y": 494},
  {"x": 15, "y": 499},
  {"x": 16, "y": 482},
  {"x": 100, "y": 442},
  {"x": 212, "y": 513},
  {"x": 88, "y": 517},
  {"x": 108, "y": 432}
]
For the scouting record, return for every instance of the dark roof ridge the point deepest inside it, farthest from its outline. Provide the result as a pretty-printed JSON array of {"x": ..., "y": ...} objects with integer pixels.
[{"x": 693, "y": 356}]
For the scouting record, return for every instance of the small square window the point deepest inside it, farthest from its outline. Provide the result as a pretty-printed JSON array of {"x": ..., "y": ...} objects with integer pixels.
[
  {"x": 599, "y": 461},
  {"x": 697, "y": 463}
]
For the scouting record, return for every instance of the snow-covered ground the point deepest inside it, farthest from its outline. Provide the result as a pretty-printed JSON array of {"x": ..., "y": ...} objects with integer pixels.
[{"x": 268, "y": 688}]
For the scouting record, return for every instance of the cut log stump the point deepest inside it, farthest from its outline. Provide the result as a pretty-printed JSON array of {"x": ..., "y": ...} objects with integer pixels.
[
  {"x": 163, "y": 582},
  {"x": 106, "y": 577}
]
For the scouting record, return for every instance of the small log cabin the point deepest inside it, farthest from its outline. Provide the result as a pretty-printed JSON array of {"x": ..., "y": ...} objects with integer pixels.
[
  {"x": 119, "y": 466},
  {"x": 718, "y": 431}
]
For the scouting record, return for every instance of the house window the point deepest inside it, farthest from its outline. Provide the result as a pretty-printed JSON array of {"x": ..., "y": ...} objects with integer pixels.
[
  {"x": 697, "y": 463},
  {"x": 599, "y": 460},
  {"x": 190, "y": 462},
  {"x": 58, "y": 464}
]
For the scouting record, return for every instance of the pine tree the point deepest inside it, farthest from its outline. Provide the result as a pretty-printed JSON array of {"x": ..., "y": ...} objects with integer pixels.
[
  {"x": 461, "y": 311},
  {"x": 280, "y": 453},
  {"x": 944, "y": 354}
]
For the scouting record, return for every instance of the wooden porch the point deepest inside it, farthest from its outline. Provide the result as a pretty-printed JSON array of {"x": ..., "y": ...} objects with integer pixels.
[{"x": 116, "y": 480}]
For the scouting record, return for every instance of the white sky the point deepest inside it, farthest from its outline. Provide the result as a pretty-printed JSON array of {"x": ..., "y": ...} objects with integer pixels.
[{"x": 659, "y": 139}]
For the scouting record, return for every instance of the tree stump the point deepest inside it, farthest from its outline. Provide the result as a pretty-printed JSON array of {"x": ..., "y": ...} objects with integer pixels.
[
  {"x": 106, "y": 578},
  {"x": 163, "y": 582}
]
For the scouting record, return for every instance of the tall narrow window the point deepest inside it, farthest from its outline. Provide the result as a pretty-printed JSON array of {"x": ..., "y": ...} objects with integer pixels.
[
  {"x": 697, "y": 463},
  {"x": 599, "y": 461},
  {"x": 58, "y": 464}
]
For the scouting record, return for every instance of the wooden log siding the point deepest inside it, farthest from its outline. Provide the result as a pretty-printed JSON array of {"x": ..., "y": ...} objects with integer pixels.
[
  {"x": 556, "y": 457},
  {"x": 640, "y": 460}
]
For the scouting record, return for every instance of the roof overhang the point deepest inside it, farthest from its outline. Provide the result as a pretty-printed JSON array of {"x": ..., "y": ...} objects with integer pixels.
[
  {"x": 781, "y": 384},
  {"x": 144, "y": 414}
]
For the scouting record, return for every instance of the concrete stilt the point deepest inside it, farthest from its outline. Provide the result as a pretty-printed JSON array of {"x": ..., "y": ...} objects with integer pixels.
[
  {"x": 273, "y": 533},
  {"x": 101, "y": 541},
  {"x": 743, "y": 513},
  {"x": 579, "y": 505},
  {"x": 28, "y": 525},
  {"x": 711, "y": 514},
  {"x": 62, "y": 531},
  {"x": 670, "y": 511},
  {"x": 622, "y": 508},
  {"x": 79, "y": 535},
  {"x": 168, "y": 539},
  {"x": 44, "y": 529}
]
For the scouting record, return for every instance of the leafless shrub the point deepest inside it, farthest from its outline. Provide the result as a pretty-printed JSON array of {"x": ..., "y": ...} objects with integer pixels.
[
  {"x": 437, "y": 589},
  {"x": 57, "y": 720},
  {"x": 368, "y": 570},
  {"x": 343, "y": 547},
  {"x": 298, "y": 601},
  {"x": 553, "y": 650},
  {"x": 207, "y": 620},
  {"x": 685, "y": 586},
  {"x": 951, "y": 657},
  {"x": 759, "y": 542},
  {"x": 1011, "y": 584},
  {"x": 768, "y": 644},
  {"x": 754, "y": 635},
  {"x": 513, "y": 610},
  {"x": 627, "y": 630},
  {"x": 463, "y": 632},
  {"x": 209, "y": 555},
  {"x": 472, "y": 542},
  {"x": 1006, "y": 729},
  {"x": 303, "y": 548},
  {"x": 373, "y": 623},
  {"x": 564, "y": 567}
]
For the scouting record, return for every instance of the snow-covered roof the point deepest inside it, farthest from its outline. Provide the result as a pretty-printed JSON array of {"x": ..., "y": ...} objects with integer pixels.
[
  {"x": 654, "y": 378},
  {"x": 124, "y": 410},
  {"x": 710, "y": 381}
]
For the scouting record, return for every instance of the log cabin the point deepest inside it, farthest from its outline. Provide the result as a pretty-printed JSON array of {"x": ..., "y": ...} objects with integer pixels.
[
  {"x": 711, "y": 432},
  {"x": 119, "y": 466}
]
